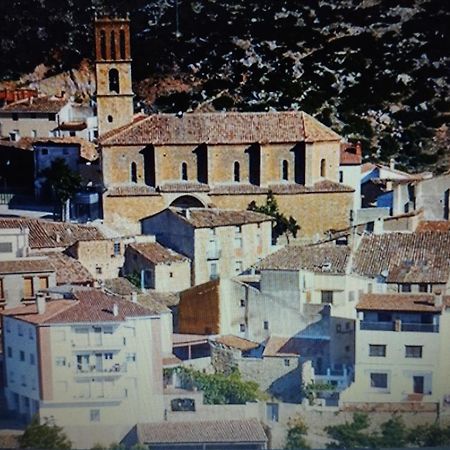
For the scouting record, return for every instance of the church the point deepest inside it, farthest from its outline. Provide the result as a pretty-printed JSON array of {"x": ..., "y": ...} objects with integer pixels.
[{"x": 221, "y": 160}]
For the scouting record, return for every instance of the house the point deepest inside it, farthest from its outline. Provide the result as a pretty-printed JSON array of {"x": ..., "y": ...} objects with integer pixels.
[
  {"x": 158, "y": 267},
  {"x": 431, "y": 195},
  {"x": 228, "y": 159},
  {"x": 401, "y": 352},
  {"x": 350, "y": 171},
  {"x": 43, "y": 117},
  {"x": 93, "y": 363},
  {"x": 14, "y": 243},
  {"x": 219, "y": 242},
  {"x": 208, "y": 435}
]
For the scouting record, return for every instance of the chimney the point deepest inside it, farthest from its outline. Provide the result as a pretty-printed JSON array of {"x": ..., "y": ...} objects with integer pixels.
[
  {"x": 57, "y": 238},
  {"x": 358, "y": 148},
  {"x": 134, "y": 297},
  {"x": 40, "y": 302},
  {"x": 438, "y": 299},
  {"x": 392, "y": 164},
  {"x": 115, "y": 310}
]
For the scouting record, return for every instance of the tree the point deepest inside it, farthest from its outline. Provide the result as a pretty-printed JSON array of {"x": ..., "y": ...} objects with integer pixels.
[
  {"x": 46, "y": 435},
  {"x": 297, "y": 430},
  {"x": 283, "y": 225},
  {"x": 63, "y": 182},
  {"x": 429, "y": 435},
  {"x": 393, "y": 433},
  {"x": 351, "y": 434}
]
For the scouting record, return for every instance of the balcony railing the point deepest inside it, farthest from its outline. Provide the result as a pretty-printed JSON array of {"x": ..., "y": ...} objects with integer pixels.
[
  {"x": 116, "y": 369},
  {"x": 110, "y": 343},
  {"x": 399, "y": 326}
]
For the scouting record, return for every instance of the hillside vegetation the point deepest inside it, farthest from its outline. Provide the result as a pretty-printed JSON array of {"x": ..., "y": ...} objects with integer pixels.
[{"x": 377, "y": 71}]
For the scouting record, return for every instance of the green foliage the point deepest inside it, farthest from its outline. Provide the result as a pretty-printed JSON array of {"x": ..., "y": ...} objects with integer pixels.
[
  {"x": 46, "y": 435},
  {"x": 283, "y": 225},
  {"x": 134, "y": 278},
  {"x": 220, "y": 389},
  {"x": 429, "y": 435},
  {"x": 393, "y": 433},
  {"x": 350, "y": 434},
  {"x": 297, "y": 430}
]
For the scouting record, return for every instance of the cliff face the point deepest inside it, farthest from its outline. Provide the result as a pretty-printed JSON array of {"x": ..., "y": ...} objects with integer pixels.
[{"x": 374, "y": 70}]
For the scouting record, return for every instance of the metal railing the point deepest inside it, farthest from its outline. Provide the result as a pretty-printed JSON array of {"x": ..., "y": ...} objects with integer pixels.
[
  {"x": 402, "y": 326},
  {"x": 376, "y": 326}
]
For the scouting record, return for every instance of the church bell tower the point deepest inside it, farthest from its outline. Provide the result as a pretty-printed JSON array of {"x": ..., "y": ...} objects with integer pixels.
[{"x": 113, "y": 73}]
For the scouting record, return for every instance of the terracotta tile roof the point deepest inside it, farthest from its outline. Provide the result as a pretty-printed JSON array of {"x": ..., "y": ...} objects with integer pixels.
[
  {"x": 26, "y": 265},
  {"x": 433, "y": 225},
  {"x": 45, "y": 234},
  {"x": 237, "y": 189},
  {"x": 427, "y": 255},
  {"x": 401, "y": 302},
  {"x": 282, "y": 346},
  {"x": 68, "y": 269},
  {"x": 167, "y": 299},
  {"x": 157, "y": 254},
  {"x": 171, "y": 360},
  {"x": 368, "y": 167},
  {"x": 349, "y": 155},
  {"x": 183, "y": 186},
  {"x": 24, "y": 143},
  {"x": 331, "y": 259},
  {"x": 134, "y": 190},
  {"x": 237, "y": 342},
  {"x": 220, "y": 431},
  {"x": 180, "y": 339},
  {"x": 222, "y": 128},
  {"x": 88, "y": 306},
  {"x": 321, "y": 186},
  {"x": 36, "y": 105},
  {"x": 120, "y": 286},
  {"x": 209, "y": 217},
  {"x": 88, "y": 149}
]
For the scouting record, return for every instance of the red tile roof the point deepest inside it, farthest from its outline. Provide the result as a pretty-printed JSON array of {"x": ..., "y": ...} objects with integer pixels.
[
  {"x": 433, "y": 225},
  {"x": 282, "y": 346},
  {"x": 36, "y": 105},
  {"x": 220, "y": 431},
  {"x": 156, "y": 253},
  {"x": 401, "y": 302},
  {"x": 69, "y": 270},
  {"x": 134, "y": 190},
  {"x": 349, "y": 155},
  {"x": 331, "y": 259},
  {"x": 88, "y": 306},
  {"x": 222, "y": 128},
  {"x": 415, "y": 257},
  {"x": 45, "y": 234},
  {"x": 26, "y": 265},
  {"x": 320, "y": 186},
  {"x": 237, "y": 342}
]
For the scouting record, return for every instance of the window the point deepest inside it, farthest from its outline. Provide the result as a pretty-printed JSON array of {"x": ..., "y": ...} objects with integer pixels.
[
  {"x": 131, "y": 357},
  {"x": 52, "y": 117},
  {"x": 108, "y": 330},
  {"x": 6, "y": 247},
  {"x": 110, "y": 118},
  {"x": 284, "y": 170},
  {"x": 28, "y": 289},
  {"x": 113, "y": 77},
  {"x": 133, "y": 172},
  {"x": 341, "y": 176},
  {"x": 323, "y": 169},
  {"x": 60, "y": 361},
  {"x": 238, "y": 266},
  {"x": 23, "y": 381},
  {"x": 405, "y": 288},
  {"x": 32, "y": 359},
  {"x": 15, "y": 117},
  {"x": 9, "y": 352},
  {"x": 108, "y": 355},
  {"x": 384, "y": 317},
  {"x": 242, "y": 327},
  {"x": 116, "y": 248},
  {"x": 170, "y": 274},
  {"x": 423, "y": 287},
  {"x": 242, "y": 302},
  {"x": 236, "y": 172},
  {"x": 213, "y": 271},
  {"x": 377, "y": 350},
  {"x": 43, "y": 283},
  {"x": 22, "y": 355},
  {"x": 98, "y": 270},
  {"x": 327, "y": 296},
  {"x": 20, "y": 329},
  {"x": 14, "y": 135},
  {"x": 379, "y": 380},
  {"x": 103, "y": 44},
  {"x": 184, "y": 171},
  {"x": 351, "y": 296},
  {"x": 266, "y": 325},
  {"x": 347, "y": 348},
  {"x": 287, "y": 362},
  {"x": 94, "y": 415},
  {"x": 34, "y": 133},
  {"x": 122, "y": 44},
  {"x": 113, "y": 44},
  {"x": 413, "y": 351}
]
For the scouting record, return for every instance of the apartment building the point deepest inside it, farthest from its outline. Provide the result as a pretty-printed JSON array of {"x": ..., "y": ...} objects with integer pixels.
[
  {"x": 92, "y": 362},
  {"x": 219, "y": 242},
  {"x": 401, "y": 351},
  {"x": 350, "y": 172}
]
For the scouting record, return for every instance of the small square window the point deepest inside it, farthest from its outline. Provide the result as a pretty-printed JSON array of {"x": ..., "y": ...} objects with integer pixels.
[
  {"x": 379, "y": 380},
  {"x": 242, "y": 303},
  {"x": 98, "y": 270},
  {"x": 108, "y": 355},
  {"x": 327, "y": 297},
  {"x": 22, "y": 355},
  {"x": 242, "y": 327},
  {"x": 116, "y": 248},
  {"x": 20, "y": 330},
  {"x": 287, "y": 362},
  {"x": 413, "y": 351},
  {"x": 52, "y": 117},
  {"x": 266, "y": 324},
  {"x": 405, "y": 288},
  {"x": 341, "y": 176},
  {"x": 131, "y": 357},
  {"x": 423, "y": 287},
  {"x": 60, "y": 361},
  {"x": 15, "y": 117},
  {"x": 170, "y": 274},
  {"x": 377, "y": 350},
  {"x": 95, "y": 415}
]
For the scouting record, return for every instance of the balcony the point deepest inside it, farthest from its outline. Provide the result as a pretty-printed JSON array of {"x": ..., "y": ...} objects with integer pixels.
[
  {"x": 213, "y": 253},
  {"x": 114, "y": 370},
  {"x": 399, "y": 326},
  {"x": 113, "y": 343}
]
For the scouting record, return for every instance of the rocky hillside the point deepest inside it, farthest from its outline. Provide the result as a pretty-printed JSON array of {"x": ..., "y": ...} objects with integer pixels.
[{"x": 375, "y": 70}]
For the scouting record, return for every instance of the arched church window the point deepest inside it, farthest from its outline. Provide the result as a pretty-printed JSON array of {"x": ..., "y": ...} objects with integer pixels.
[
  {"x": 133, "y": 170},
  {"x": 323, "y": 168},
  {"x": 114, "y": 81},
  {"x": 236, "y": 171},
  {"x": 284, "y": 170},
  {"x": 122, "y": 44},
  {"x": 113, "y": 44},
  {"x": 184, "y": 172},
  {"x": 103, "y": 44}
]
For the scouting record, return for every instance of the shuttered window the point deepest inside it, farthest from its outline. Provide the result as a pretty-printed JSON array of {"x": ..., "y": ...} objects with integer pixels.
[
  {"x": 43, "y": 282},
  {"x": 28, "y": 290}
]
